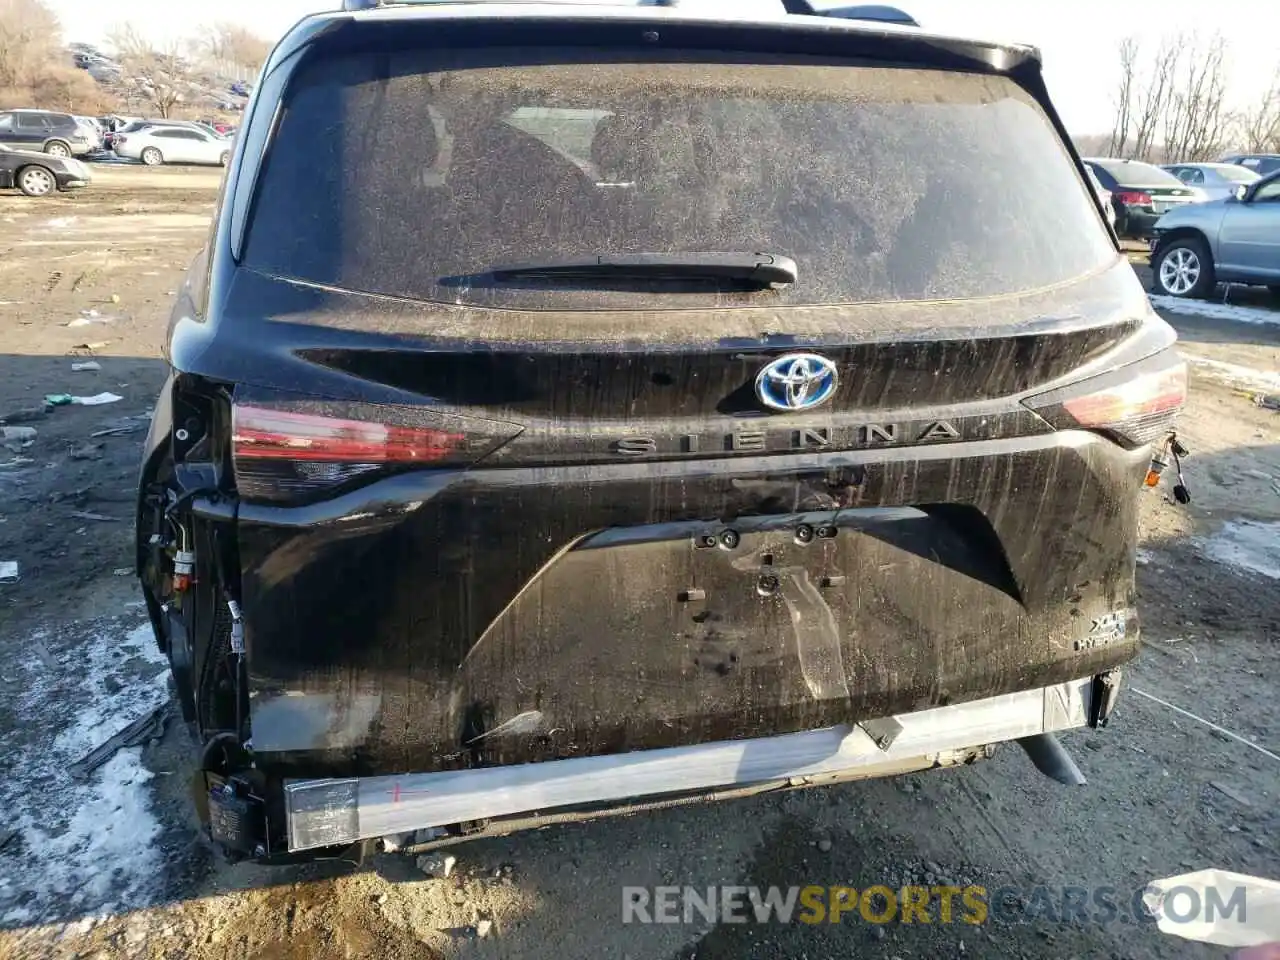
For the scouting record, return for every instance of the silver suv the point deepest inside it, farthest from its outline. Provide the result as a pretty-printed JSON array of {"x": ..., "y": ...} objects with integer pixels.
[{"x": 1233, "y": 240}]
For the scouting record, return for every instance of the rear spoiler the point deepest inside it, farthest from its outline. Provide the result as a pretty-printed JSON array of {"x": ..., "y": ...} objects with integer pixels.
[{"x": 874, "y": 11}]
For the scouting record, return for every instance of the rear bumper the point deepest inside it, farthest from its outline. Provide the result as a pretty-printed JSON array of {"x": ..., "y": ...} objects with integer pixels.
[
  {"x": 1139, "y": 223},
  {"x": 335, "y": 812}
]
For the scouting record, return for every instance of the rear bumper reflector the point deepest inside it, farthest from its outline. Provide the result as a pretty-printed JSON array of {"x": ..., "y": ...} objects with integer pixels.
[{"x": 323, "y": 813}]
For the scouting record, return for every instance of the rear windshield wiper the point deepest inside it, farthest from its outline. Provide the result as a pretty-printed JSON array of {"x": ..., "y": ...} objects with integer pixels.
[{"x": 762, "y": 269}]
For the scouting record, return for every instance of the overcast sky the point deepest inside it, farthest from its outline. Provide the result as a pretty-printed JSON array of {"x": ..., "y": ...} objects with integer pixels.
[{"x": 1077, "y": 39}]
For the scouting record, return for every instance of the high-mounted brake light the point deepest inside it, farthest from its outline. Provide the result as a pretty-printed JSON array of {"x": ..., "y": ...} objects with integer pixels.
[
  {"x": 1135, "y": 406},
  {"x": 285, "y": 454}
]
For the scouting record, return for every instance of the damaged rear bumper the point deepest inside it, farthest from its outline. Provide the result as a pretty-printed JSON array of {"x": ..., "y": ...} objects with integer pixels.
[{"x": 337, "y": 812}]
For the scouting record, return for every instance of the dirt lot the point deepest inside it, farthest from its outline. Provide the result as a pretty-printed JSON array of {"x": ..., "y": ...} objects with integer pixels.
[{"x": 110, "y": 865}]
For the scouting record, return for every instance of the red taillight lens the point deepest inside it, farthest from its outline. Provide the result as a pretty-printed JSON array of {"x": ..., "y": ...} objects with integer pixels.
[
  {"x": 1134, "y": 198},
  {"x": 283, "y": 454},
  {"x": 1134, "y": 405},
  {"x": 1150, "y": 395},
  {"x": 259, "y": 433}
]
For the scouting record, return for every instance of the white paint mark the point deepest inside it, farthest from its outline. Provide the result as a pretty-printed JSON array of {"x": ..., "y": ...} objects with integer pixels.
[
  {"x": 1215, "y": 311},
  {"x": 1247, "y": 545}
]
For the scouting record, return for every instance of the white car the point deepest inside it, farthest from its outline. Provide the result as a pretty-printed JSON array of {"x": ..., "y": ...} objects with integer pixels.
[
  {"x": 157, "y": 145},
  {"x": 1104, "y": 196},
  {"x": 1217, "y": 180},
  {"x": 93, "y": 129}
]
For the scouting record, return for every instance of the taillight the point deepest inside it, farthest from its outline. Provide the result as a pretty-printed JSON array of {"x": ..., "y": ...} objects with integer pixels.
[
  {"x": 1134, "y": 405},
  {"x": 1134, "y": 198},
  {"x": 290, "y": 452}
]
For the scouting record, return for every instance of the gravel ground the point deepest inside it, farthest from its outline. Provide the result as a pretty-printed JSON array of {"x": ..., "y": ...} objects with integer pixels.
[{"x": 111, "y": 866}]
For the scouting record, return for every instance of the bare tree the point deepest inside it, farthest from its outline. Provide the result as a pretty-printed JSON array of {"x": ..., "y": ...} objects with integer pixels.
[
  {"x": 28, "y": 42},
  {"x": 1129, "y": 50},
  {"x": 156, "y": 72},
  {"x": 1259, "y": 126},
  {"x": 34, "y": 70},
  {"x": 71, "y": 91},
  {"x": 1153, "y": 101},
  {"x": 234, "y": 44},
  {"x": 1195, "y": 121}
]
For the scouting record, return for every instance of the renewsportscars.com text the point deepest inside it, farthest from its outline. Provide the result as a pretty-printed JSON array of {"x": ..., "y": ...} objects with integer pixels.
[{"x": 971, "y": 904}]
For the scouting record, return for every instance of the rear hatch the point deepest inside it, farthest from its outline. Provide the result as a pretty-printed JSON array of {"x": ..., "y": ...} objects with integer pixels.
[{"x": 496, "y": 518}]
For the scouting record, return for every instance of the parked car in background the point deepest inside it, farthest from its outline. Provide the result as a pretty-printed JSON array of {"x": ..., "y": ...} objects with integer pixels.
[
  {"x": 1260, "y": 163},
  {"x": 1234, "y": 240},
  {"x": 154, "y": 145},
  {"x": 1104, "y": 196},
  {"x": 97, "y": 135},
  {"x": 216, "y": 126},
  {"x": 40, "y": 174},
  {"x": 57, "y": 134},
  {"x": 1141, "y": 193},
  {"x": 104, "y": 71},
  {"x": 136, "y": 124},
  {"x": 124, "y": 125},
  {"x": 1216, "y": 181}
]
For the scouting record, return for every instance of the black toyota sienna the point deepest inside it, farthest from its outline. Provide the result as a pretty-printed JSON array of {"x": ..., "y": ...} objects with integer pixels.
[{"x": 580, "y": 406}]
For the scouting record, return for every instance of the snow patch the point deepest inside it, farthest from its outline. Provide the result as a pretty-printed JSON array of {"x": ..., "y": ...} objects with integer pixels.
[
  {"x": 1246, "y": 545},
  {"x": 1235, "y": 374},
  {"x": 1215, "y": 311},
  {"x": 84, "y": 845}
]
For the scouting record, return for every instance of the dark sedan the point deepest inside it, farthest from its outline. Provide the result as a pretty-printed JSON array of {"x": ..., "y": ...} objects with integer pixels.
[
  {"x": 1141, "y": 193},
  {"x": 40, "y": 174}
]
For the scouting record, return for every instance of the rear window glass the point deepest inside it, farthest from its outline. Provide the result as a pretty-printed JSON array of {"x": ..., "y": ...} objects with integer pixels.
[
  {"x": 1229, "y": 171},
  {"x": 417, "y": 175}
]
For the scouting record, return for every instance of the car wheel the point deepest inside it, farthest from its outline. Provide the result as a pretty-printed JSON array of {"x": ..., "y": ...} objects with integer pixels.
[
  {"x": 1184, "y": 268},
  {"x": 152, "y": 157},
  {"x": 57, "y": 149},
  {"x": 36, "y": 181},
  {"x": 224, "y": 159}
]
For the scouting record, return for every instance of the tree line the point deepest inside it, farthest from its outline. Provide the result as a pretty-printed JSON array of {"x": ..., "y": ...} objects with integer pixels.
[
  {"x": 157, "y": 77},
  {"x": 1171, "y": 104}
]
